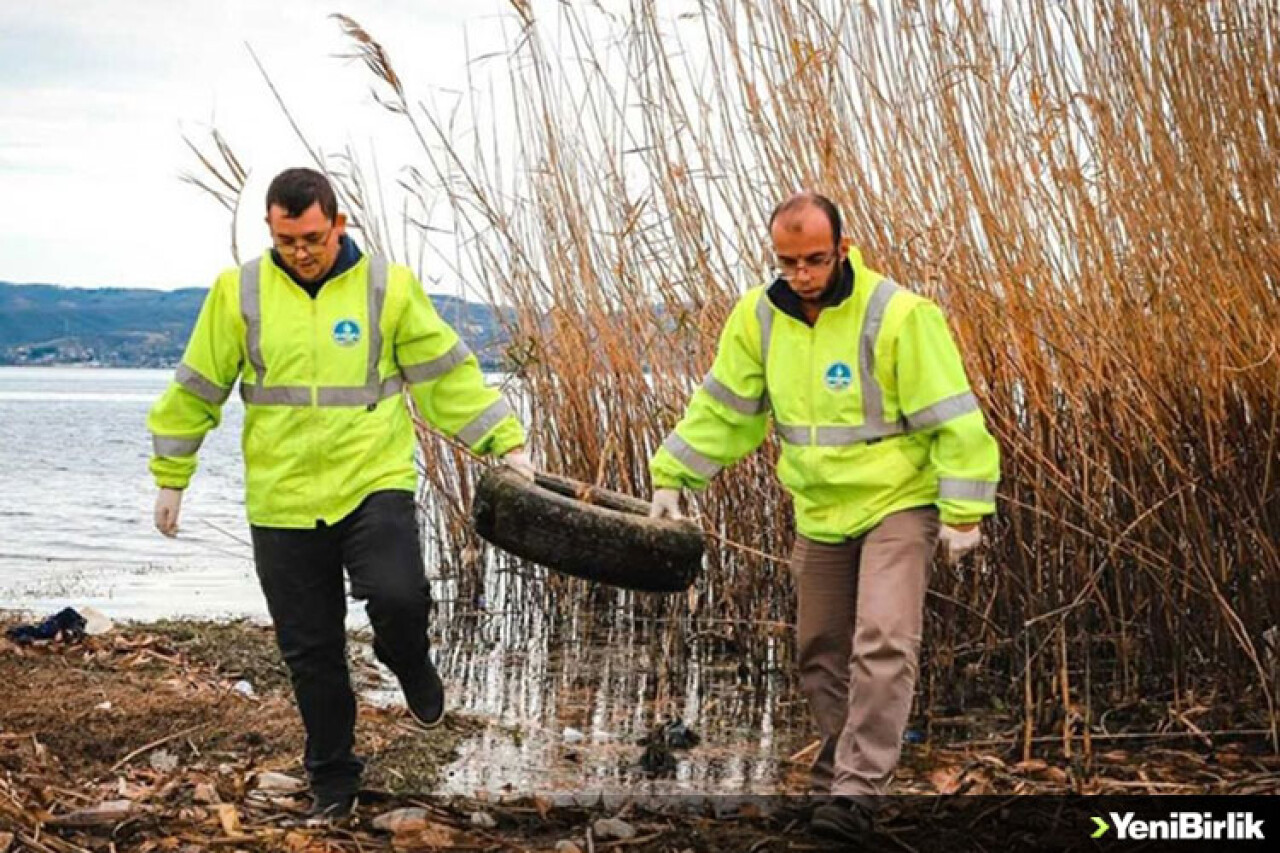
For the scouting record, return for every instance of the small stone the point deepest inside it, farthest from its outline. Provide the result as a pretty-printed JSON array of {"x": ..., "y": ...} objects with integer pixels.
[
  {"x": 278, "y": 783},
  {"x": 567, "y": 846},
  {"x": 244, "y": 688},
  {"x": 102, "y": 706},
  {"x": 402, "y": 820},
  {"x": 610, "y": 827},
  {"x": 163, "y": 761},
  {"x": 572, "y": 735},
  {"x": 483, "y": 820}
]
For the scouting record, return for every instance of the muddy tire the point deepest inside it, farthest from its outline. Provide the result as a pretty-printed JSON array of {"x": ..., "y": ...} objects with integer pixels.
[{"x": 590, "y": 533}]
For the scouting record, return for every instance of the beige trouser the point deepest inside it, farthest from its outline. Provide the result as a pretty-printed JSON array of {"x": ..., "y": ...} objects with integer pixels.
[{"x": 861, "y": 610}]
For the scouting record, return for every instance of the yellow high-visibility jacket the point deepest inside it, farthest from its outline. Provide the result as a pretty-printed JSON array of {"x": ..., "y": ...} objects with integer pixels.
[
  {"x": 325, "y": 421},
  {"x": 871, "y": 404}
]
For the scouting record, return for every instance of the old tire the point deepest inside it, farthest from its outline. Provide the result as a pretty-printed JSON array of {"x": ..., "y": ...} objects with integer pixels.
[{"x": 590, "y": 533}]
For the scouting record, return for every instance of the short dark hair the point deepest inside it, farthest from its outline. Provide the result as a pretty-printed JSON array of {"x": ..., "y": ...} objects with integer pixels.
[
  {"x": 801, "y": 200},
  {"x": 295, "y": 190}
]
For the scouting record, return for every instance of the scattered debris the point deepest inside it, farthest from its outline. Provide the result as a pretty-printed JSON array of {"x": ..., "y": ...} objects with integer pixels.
[
  {"x": 278, "y": 783},
  {"x": 176, "y": 767},
  {"x": 673, "y": 734},
  {"x": 205, "y": 793},
  {"x": 66, "y": 625},
  {"x": 163, "y": 761},
  {"x": 96, "y": 623},
  {"x": 402, "y": 820},
  {"x": 609, "y": 828},
  {"x": 104, "y": 814}
]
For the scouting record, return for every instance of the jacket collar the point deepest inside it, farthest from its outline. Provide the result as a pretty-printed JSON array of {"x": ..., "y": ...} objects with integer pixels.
[{"x": 349, "y": 255}]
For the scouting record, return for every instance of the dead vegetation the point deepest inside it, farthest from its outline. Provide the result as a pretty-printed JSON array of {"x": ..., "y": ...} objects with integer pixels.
[{"x": 128, "y": 742}]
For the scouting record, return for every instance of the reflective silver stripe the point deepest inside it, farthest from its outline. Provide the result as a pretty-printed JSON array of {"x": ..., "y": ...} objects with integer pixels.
[
  {"x": 377, "y": 293},
  {"x": 391, "y": 386},
  {"x": 425, "y": 371},
  {"x": 485, "y": 421},
  {"x": 837, "y": 436},
  {"x": 350, "y": 396},
  {"x": 719, "y": 391},
  {"x": 281, "y": 395},
  {"x": 966, "y": 490},
  {"x": 360, "y": 395},
  {"x": 792, "y": 433},
  {"x": 251, "y": 311},
  {"x": 175, "y": 446},
  {"x": 872, "y": 394},
  {"x": 195, "y": 382},
  {"x": 699, "y": 464},
  {"x": 764, "y": 313},
  {"x": 943, "y": 411}
]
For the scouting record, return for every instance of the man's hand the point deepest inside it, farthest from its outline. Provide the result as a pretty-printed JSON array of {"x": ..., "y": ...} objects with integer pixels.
[
  {"x": 666, "y": 504},
  {"x": 958, "y": 541},
  {"x": 168, "y": 505},
  {"x": 518, "y": 460}
]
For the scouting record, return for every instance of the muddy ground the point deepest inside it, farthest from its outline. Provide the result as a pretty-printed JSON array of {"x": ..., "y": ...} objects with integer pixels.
[{"x": 148, "y": 739}]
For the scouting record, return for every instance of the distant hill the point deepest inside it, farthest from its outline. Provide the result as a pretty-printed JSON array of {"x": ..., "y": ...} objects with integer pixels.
[{"x": 126, "y": 327}]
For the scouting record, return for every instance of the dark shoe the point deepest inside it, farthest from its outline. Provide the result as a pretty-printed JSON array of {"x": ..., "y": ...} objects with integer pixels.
[
  {"x": 844, "y": 820},
  {"x": 329, "y": 810},
  {"x": 424, "y": 694}
]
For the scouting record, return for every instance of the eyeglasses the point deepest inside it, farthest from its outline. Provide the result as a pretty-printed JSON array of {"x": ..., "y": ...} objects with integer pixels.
[
  {"x": 309, "y": 243},
  {"x": 789, "y": 268}
]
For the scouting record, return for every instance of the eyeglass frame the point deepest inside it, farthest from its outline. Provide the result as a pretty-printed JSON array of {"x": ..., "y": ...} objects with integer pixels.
[
  {"x": 303, "y": 243},
  {"x": 809, "y": 263}
]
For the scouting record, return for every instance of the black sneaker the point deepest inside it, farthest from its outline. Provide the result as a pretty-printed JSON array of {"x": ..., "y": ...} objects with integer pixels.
[
  {"x": 843, "y": 819},
  {"x": 329, "y": 810},
  {"x": 424, "y": 694}
]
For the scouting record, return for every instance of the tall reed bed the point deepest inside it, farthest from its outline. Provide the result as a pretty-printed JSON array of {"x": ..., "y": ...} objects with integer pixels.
[{"x": 1090, "y": 189}]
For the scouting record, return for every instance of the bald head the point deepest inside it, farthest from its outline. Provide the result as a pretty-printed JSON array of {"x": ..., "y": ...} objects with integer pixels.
[{"x": 785, "y": 214}]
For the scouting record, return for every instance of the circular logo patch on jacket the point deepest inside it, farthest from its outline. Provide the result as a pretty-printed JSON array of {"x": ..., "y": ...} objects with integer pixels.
[
  {"x": 838, "y": 376},
  {"x": 346, "y": 333}
]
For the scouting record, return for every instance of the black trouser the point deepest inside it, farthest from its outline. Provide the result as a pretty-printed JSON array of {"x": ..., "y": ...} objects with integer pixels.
[{"x": 301, "y": 575}]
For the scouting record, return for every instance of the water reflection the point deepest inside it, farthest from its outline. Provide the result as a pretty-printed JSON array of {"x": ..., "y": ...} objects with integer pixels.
[{"x": 569, "y": 691}]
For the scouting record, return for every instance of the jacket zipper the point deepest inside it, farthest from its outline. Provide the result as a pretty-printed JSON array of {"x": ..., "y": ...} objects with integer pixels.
[{"x": 315, "y": 394}]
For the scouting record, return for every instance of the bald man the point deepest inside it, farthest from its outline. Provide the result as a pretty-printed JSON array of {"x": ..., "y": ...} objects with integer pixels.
[{"x": 885, "y": 454}]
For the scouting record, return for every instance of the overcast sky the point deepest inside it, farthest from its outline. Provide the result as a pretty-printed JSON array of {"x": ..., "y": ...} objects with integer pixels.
[{"x": 95, "y": 97}]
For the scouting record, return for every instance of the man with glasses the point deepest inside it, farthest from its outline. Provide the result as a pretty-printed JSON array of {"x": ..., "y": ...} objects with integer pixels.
[
  {"x": 885, "y": 454},
  {"x": 323, "y": 339}
]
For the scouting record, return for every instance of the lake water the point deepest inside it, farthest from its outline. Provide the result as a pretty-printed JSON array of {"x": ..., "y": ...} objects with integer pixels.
[
  {"x": 76, "y": 529},
  {"x": 76, "y": 502}
]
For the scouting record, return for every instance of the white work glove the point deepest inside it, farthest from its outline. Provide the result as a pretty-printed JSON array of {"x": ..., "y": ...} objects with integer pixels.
[
  {"x": 666, "y": 504},
  {"x": 956, "y": 543},
  {"x": 168, "y": 505},
  {"x": 518, "y": 460}
]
